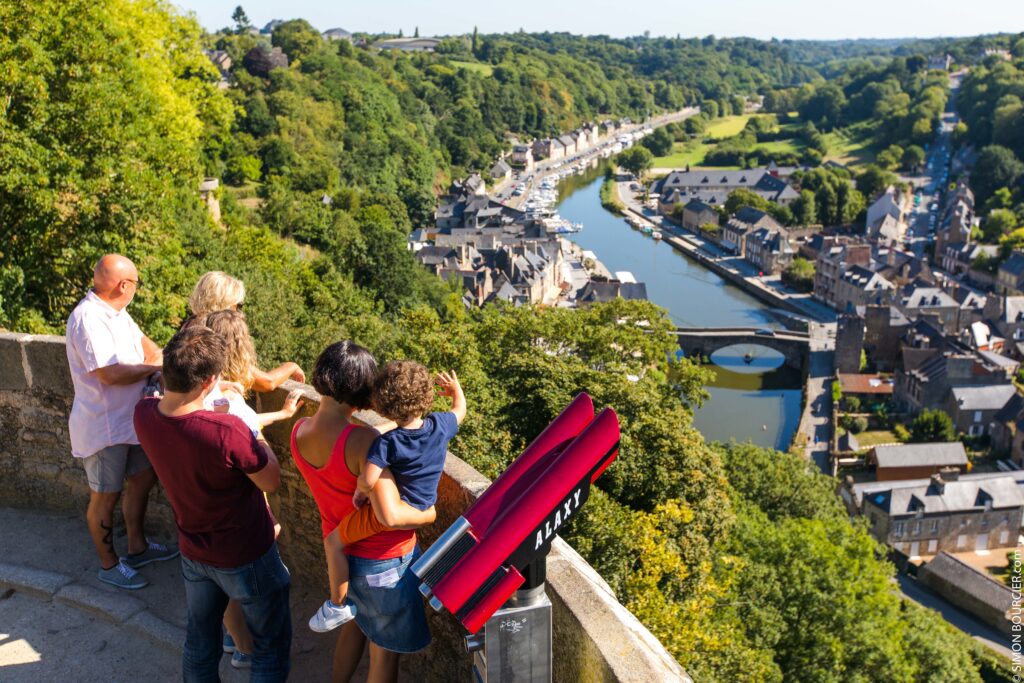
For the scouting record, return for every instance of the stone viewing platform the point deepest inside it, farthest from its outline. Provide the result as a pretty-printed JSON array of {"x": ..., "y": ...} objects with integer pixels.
[{"x": 47, "y": 559}]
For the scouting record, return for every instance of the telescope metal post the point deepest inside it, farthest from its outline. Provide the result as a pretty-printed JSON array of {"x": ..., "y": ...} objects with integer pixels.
[{"x": 514, "y": 645}]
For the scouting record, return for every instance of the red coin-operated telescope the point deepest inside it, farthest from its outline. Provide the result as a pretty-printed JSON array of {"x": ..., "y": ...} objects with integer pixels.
[{"x": 488, "y": 567}]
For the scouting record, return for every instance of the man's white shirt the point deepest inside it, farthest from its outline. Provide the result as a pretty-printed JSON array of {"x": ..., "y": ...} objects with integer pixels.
[{"x": 98, "y": 336}]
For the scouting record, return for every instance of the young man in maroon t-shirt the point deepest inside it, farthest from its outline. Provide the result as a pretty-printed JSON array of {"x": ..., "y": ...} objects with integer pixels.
[{"x": 215, "y": 470}]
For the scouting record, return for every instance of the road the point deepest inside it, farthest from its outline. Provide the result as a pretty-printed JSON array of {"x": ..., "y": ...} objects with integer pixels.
[
  {"x": 816, "y": 422},
  {"x": 503, "y": 191},
  {"x": 983, "y": 633},
  {"x": 932, "y": 181}
]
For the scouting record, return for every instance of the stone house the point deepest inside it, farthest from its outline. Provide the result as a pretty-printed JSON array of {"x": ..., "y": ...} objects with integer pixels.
[
  {"x": 934, "y": 304},
  {"x": 548, "y": 148},
  {"x": 835, "y": 255},
  {"x": 600, "y": 290},
  {"x": 969, "y": 589},
  {"x": 886, "y": 216},
  {"x": 741, "y": 224},
  {"x": 713, "y": 186},
  {"x": 858, "y": 286},
  {"x": 946, "y": 512},
  {"x": 915, "y": 460},
  {"x": 926, "y": 376},
  {"x": 522, "y": 157},
  {"x": 500, "y": 171},
  {"x": 569, "y": 143},
  {"x": 1010, "y": 277},
  {"x": 769, "y": 249},
  {"x": 957, "y": 218},
  {"x": 974, "y": 409},
  {"x": 958, "y": 257},
  {"x": 1008, "y": 430},
  {"x": 697, "y": 214},
  {"x": 1006, "y": 315}
]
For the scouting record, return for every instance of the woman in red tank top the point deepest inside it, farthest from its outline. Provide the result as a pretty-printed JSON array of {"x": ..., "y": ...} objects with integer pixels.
[{"x": 329, "y": 450}]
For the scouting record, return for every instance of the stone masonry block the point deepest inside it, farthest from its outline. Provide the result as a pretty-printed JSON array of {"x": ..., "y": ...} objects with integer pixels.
[
  {"x": 113, "y": 606},
  {"x": 48, "y": 362},
  {"x": 36, "y": 581},
  {"x": 12, "y": 371}
]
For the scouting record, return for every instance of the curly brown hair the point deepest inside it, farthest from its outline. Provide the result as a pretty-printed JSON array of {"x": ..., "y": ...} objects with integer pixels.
[{"x": 403, "y": 391}]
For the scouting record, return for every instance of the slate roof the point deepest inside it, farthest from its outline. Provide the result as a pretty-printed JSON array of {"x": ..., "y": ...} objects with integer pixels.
[
  {"x": 869, "y": 489},
  {"x": 954, "y": 496},
  {"x": 595, "y": 291},
  {"x": 978, "y": 585},
  {"x": 714, "y": 185},
  {"x": 1014, "y": 264},
  {"x": 928, "y": 297},
  {"x": 920, "y": 455},
  {"x": 991, "y": 397}
]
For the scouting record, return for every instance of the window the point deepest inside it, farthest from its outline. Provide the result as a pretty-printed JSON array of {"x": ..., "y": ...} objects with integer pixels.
[
  {"x": 917, "y": 528},
  {"x": 961, "y": 541},
  {"x": 933, "y": 545},
  {"x": 934, "y": 526},
  {"x": 977, "y": 416},
  {"x": 897, "y": 529}
]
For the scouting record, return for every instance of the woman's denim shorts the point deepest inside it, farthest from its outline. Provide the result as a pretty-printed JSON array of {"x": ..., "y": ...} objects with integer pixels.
[{"x": 389, "y": 607}]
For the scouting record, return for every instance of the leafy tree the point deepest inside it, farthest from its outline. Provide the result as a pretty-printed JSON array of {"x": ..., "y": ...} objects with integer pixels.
[
  {"x": 890, "y": 157},
  {"x": 999, "y": 222},
  {"x": 996, "y": 167},
  {"x": 297, "y": 38},
  {"x": 636, "y": 160},
  {"x": 804, "y": 209},
  {"x": 913, "y": 157},
  {"x": 659, "y": 142},
  {"x": 241, "y": 20},
  {"x": 873, "y": 180},
  {"x": 932, "y": 426},
  {"x": 800, "y": 274}
]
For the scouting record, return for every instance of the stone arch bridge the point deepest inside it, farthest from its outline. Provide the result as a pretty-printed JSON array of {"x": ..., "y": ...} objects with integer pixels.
[{"x": 704, "y": 341}]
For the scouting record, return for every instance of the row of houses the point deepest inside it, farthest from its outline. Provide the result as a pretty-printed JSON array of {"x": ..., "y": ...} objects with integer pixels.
[
  {"x": 570, "y": 144},
  {"x": 499, "y": 253}
]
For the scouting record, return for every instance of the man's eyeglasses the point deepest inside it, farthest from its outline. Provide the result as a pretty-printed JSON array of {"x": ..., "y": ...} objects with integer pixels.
[{"x": 137, "y": 283}]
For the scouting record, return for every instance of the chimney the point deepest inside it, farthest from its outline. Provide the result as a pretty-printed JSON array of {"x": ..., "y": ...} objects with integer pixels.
[
  {"x": 938, "y": 483},
  {"x": 949, "y": 474}
]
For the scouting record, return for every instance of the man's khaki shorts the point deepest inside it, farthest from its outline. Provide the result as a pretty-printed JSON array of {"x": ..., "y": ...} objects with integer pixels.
[{"x": 107, "y": 469}]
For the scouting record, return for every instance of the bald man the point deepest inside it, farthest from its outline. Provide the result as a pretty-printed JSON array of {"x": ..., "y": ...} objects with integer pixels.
[{"x": 110, "y": 360}]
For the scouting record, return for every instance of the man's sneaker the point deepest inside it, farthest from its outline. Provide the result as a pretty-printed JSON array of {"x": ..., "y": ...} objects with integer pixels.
[
  {"x": 156, "y": 552},
  {"x": 331, "y": 616},
  {"x": 123, "y": 576},
  {"x": 240, "y": 660},
  {"x": 228, "y": 644}
]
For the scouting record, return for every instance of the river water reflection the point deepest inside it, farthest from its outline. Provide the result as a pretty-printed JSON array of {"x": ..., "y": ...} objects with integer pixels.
[{"x": 756, "y": 400}]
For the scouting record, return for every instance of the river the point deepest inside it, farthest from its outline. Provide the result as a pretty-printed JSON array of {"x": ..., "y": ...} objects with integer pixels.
[{"x": 754, "y": 397}]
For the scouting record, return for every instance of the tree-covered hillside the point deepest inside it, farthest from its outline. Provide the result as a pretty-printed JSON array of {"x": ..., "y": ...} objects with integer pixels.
[{"x": 739, "y": 559}]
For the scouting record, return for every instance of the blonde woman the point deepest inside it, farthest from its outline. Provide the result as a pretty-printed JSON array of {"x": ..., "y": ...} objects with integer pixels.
[{"x": 218, "y": 291}]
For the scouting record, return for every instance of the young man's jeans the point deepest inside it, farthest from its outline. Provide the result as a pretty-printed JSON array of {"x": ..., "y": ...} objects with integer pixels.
[{"x": 261, "y": 588}]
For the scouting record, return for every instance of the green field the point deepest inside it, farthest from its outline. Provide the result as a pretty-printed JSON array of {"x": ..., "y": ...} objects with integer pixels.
[
  {"x": 692, "y": 152},
  {"x": 850, "y": 147},
  {"x": 726, "y": 127},
  {"x": 485, "y": 69}
]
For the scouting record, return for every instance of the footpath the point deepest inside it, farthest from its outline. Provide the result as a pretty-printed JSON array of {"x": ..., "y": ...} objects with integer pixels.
[{"x": 58, "y": 622}]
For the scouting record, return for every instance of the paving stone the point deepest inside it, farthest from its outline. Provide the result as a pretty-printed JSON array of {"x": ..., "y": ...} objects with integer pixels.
[
  {"x": 36, "y": 581},
  {"x": 159, "y": 631},
  {"x": 107, "y": 604}
]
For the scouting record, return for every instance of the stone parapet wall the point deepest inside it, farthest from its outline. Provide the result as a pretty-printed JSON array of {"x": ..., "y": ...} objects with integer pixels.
[{"x": 596, "y": 638}]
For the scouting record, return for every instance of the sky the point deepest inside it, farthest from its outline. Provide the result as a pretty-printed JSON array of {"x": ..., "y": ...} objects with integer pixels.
[{"x": 765, "y": 19}]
